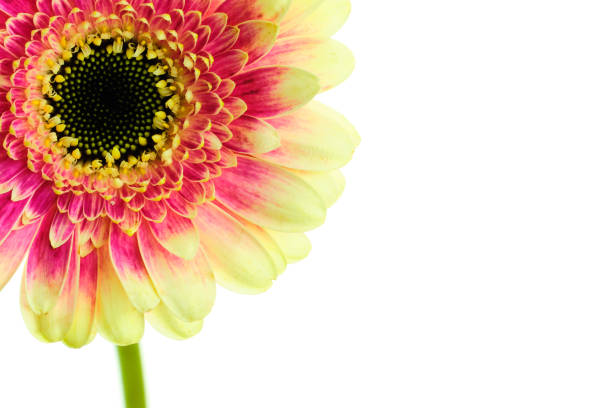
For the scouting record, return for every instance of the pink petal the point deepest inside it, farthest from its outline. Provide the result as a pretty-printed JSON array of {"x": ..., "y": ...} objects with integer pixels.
[
  {"x": 9, "y": 170},
  {"x": 75, "y": 209},
  {"x": 25, "y": 184},
  {"x": 126, "y": 259},
  {"x": 131, "y": 222},
  {"x": 256, "y": 38},
  {"x": 10, "y": 214},
  {"x": 40, "y": 203},
  {"x": 55, "y": 324},
  {"x": 194, "y": 193},
  {"x": 225, "y": 89},
  {"x": 230, "y": 63},
  {"x": 224, "y": 42},
  {"x": 83, "y": 325},
  {"x": 136, "y": 203},
  {"x": 99, "y": 234},
  {"x": 252, "y": 135},
  {"x": 61, "y": 229},
  {"x": 154, "y": 211},
  {"x": 116, "y": 209},
  {"x": 235, "y": 106},
  {"x": 14, "y": 7},
  {"x": 182, "y": 207},
  {"x": 13, "y": 250},
  {"x": 46, "y": 269},
  {"x": 273, "y": 91},
  {"x": 196, "y": 172},
  {"x": 270, "y": 196},
  {"x": 93, "y": 206}
]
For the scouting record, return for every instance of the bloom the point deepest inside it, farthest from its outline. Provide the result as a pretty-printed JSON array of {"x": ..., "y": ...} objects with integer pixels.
[{"x": 154, "y": 147}]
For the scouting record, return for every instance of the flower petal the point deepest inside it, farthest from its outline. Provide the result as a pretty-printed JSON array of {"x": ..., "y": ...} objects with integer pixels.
[
  {"x": 226, "y": 65},
  {"x": 243, "y": 10},
  {"x": 29, "y": 317},
  {"x": 117, "y": 319},
  {"x": 13, "y": 250},
  {"x": 43, "y": 199},
  {"x": 46, "y": 269},
  {"x": 295, "y": 246},
  {"x": 126, "y": 259},
  {"x": 9, "y": 170},
  {"x": 314, "y": 138},
  {"x": 270, "y": 196},
  {"x": 177, "y": 234},
  {"x": 331, "y": 61},
  {"x": 14, "y": 7},
  {"x": 165, "y": 322},
  {"x": 273, "y": 91},
  {"x": 185, "y": 287},
  {"x": 116, "y": 209},
  {"x": 55, "y": 324},
  {"x": 154, "y": 211},
  {"x": 322, "y": 19},
  {"x": 238, "y": 260},
  {"x": 256, "y": 38},
  {"x": 10, "y": 214},
  {"x": 61, "y": 229},
  {"x": 83, "y": 327},
  {"x": 93, "y": 205},
  {"x": 252, "y": 135},
  {"x": 267, "y": 242},
  {"x": 329, "y": 185},
  {"x": 99, "y": 233},
  {"x": 25, "y": 184},
  {"x": 300, "y": 8}
]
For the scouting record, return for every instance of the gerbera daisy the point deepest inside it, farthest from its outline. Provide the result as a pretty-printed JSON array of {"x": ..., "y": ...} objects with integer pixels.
[{"x": 152, "y": 148}]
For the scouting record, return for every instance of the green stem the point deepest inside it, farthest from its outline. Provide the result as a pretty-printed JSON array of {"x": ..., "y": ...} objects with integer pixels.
[{"x": 131, "y": 373}]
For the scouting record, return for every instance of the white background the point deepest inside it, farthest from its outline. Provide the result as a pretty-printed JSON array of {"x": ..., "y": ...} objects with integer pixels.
[{"x": 468, "y": 263}]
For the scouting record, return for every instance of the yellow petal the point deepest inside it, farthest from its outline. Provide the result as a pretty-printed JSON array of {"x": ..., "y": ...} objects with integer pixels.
[
  {"x": 165, "y": 322},
  {"x": 299, "y": 9},
  {"x": 329, "y": 60},
  {"x": 323, "y": 20},
  {"x": 29, "y": 317},
  {"x": 185, "y": 286},
  {"x": 270, "y": 196},
  {"x": 238, "y": 260},
  {"x": 55, "y": 324},
  {"x": 274, "y": 91},
  {"x": 329, "y": 185},
  {"x": 118, "y": 320},
  {"x": 314, "y": 138},
  {"x": 266, "y": 241},
  {"x": 295, "y": 246},
  {"x": 83, "y": 329},
  {"x": 126, "y": 259}
]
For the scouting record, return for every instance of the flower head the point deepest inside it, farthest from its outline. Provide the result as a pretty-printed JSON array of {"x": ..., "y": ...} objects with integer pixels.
[{"x": 154, "y": 147}]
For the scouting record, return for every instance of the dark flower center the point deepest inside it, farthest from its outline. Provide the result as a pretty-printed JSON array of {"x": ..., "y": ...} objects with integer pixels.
[{"x": 111, "y": 103}]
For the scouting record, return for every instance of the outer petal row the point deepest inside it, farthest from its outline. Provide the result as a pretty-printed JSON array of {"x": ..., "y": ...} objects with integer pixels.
[
  {"x": 314, "y": 138},
  {"x": 315, "y": 17},
  {"x": 329, "y": 60},
  {"x": 270, "y": 196},
  {"x": 273, "y": 91}
]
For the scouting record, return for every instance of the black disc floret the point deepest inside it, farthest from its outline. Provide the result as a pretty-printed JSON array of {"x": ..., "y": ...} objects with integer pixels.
[{"x": 108, "y": 103}]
